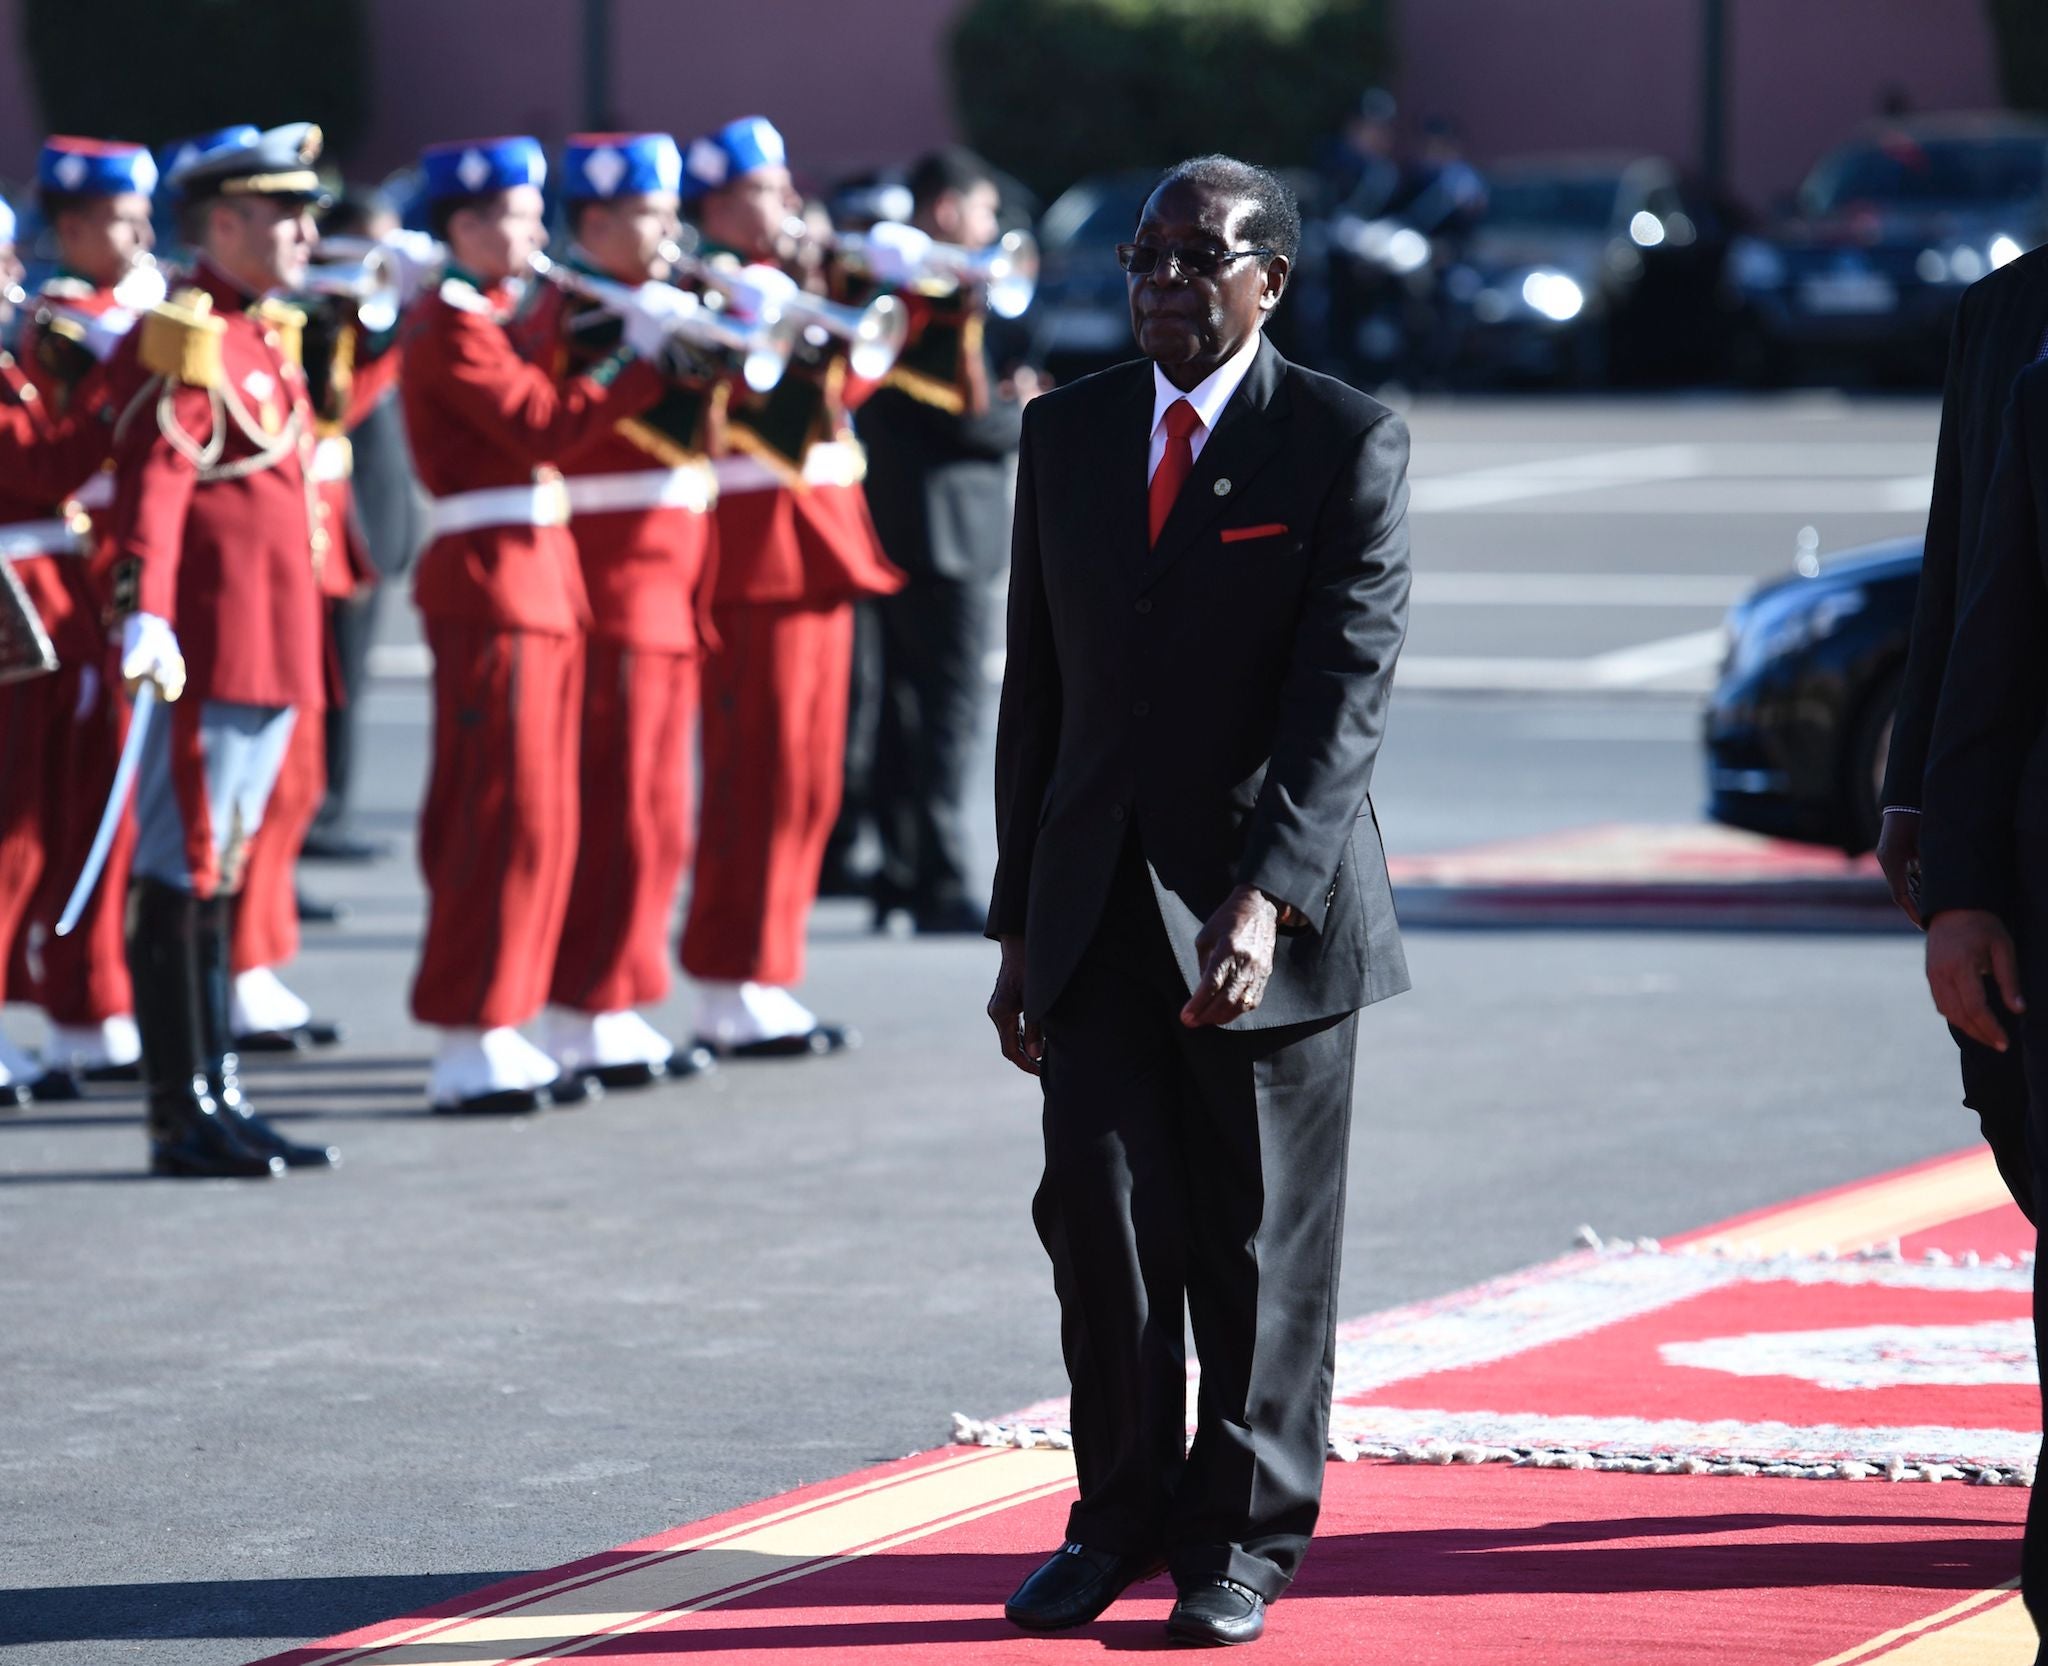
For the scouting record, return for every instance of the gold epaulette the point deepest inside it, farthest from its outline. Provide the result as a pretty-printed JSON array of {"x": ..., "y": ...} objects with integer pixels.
[
  {"x": 181, "y": 340},
  {"x": 290, "y": 324}
]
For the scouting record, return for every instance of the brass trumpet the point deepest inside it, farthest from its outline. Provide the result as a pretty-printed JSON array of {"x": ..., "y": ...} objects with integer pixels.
[
  {"x": 1006, "y": 272},
  {"x": 361, "y": 270},
  {"x": 758, "y": 346},
  {"x": 874, "y": 334}
]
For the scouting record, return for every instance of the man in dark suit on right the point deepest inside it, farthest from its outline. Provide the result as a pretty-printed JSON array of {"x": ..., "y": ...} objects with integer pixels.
[
  {"x": 1208, "y": 589},
  {"x": 2001, "y": 328}
]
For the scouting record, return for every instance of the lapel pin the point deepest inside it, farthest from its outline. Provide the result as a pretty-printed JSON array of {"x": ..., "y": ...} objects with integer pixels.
[{"x": 1223, "y": 488}]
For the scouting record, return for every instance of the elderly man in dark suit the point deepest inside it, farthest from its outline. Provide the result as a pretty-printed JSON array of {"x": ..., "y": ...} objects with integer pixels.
[
  {"x": 1209, "y": 586},
  {"x": 2001, "y": 328}
]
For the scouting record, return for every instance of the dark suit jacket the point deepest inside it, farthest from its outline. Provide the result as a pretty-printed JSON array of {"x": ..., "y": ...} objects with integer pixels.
[
  {"x": 1998, "y": 333},
  {"x": 1986, "y": 803},
  {"x": 938, "y": 484},
  {"x": 1222, "y": 696}
]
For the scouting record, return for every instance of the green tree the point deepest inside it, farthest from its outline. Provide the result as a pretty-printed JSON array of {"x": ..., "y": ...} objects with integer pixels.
[
  {"x": 2020, "y": 28},
  {"x": 157, "y": 70},
  {"x": 1054, "y": 89}
]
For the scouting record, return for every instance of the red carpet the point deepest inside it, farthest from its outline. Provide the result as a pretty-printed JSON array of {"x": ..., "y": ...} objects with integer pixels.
[{"x": 1741, "y": 1343}]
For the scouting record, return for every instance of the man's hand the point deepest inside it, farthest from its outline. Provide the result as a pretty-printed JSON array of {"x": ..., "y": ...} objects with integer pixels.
[
  {"x": 1023, "y": 1044},
  {"x": 1898, "y": 853},
  {"x": 1236, "y": 947},
  {"x": 1964, "y": 947}
]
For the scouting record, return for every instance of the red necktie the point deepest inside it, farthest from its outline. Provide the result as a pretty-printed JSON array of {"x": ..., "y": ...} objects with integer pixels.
[{"x": 1178, "y": 463}]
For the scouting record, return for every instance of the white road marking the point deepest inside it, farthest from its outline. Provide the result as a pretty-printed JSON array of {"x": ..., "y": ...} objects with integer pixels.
[
  {"x": 1686, "y": 664},
  {"x": 1513, "y": 483},
  {"x": 401, "y": 661},
  {"x": 1579, "y": 589}
]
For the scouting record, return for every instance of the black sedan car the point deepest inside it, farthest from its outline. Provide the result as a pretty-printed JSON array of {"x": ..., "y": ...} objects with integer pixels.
[
  {"x": 1867, "y": 264},
  {"x": 1798, "y": 728},
  {"x": 1586, "y": 269}
]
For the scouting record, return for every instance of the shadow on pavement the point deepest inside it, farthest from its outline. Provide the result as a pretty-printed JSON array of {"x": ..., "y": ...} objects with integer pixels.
[{"x": 263, "y": 1608}]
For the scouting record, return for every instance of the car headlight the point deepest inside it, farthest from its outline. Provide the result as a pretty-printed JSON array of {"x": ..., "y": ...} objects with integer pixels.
[
  {"x": 1557, "y": 297},
  {"x": 1755, "y": 264},
  {"x": 1787, "y": 624},
  {"x": 1965, "y": 263}
]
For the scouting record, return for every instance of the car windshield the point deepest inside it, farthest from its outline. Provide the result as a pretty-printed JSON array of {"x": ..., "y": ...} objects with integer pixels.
[
  {"x": 1573, "y": 202},
  {"x": 1907, "y": 171}
]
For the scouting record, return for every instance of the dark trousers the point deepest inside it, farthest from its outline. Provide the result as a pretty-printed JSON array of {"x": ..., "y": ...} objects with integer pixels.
[
  {"x": 933, "y": 693},
  {"x": 1995, "y": 1087},
  {"x": 1204, "y": 1170},
  {"x": 353, "y": 622}
]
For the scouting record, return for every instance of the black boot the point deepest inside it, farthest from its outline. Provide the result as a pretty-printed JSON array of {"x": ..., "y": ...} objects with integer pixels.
[
  {"x": 188, "y": 1135},
  {"x": 216, "y": 936}
]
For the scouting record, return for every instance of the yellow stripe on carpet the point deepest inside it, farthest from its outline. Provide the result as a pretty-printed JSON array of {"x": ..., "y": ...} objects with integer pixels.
[
  {"x": 649, "y": 1590},
  {"x": 1876, "y": 1213},
  {"x": 1991, "y": 1628}
]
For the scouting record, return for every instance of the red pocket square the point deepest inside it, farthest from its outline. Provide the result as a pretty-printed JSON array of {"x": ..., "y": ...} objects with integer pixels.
[{"x": 1238, "y": 534}]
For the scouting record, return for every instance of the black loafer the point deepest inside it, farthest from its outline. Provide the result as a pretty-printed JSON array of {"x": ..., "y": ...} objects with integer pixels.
[
  {"x": 313, "y": 912},
  {"x": 1217, "y": 1613},
  {"x": 1074, "y": 1585},
  {"x": 57, "y": 1087},
  {"x": 16, "y": 1096},
  {"x": 572, "y": 1088},
  {"x": 315, "y": 1032},
  {"x": 636, "y": 1075},
  {"x": 114, "y": 1073},
  {"x": 693, "y": 1060}
]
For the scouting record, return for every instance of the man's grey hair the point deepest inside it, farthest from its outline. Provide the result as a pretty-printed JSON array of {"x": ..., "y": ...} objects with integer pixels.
[{"x": 1275, "y": 219}]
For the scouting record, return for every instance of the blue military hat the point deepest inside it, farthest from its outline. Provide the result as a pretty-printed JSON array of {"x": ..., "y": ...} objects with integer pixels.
[
  {"x": 598, "y": 166},
  {"x": 244, "y": 162},
  {"x": 736, "y": 149},
  {"x": 477, "y": 167},
  {"x": 95, "y": 167}
]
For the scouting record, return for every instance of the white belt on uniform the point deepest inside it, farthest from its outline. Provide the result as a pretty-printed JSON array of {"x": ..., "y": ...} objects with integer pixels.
[
  {"x": 691, "y": 486},
  {"x": 23, "y": 538},
  {"x": 334, "y": 459},
  {"x": 829, "y": 463},
  {"x": 545, "y": 503},
  {"x": 96, "y": 493}
]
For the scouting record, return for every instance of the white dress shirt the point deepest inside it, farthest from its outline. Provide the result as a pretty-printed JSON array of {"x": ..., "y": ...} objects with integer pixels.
[{"x": 1209, "y": 397}]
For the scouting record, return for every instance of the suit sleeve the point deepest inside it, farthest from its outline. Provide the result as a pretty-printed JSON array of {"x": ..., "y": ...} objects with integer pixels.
[
  {"x": 1995, "y": 695},
  {"x": 50, "y": 458},
  {"x": 483, "y": 380},
  {"x": 1333, "y": 703},
  {"x": 1934, "y": 607},
  {"x": 1028, "y": 722}
]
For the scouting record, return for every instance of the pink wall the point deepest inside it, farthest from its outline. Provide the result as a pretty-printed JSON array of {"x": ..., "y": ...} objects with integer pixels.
[
  {"x": 1538, "y": 75},
  {"x": 854, "y": 82}
]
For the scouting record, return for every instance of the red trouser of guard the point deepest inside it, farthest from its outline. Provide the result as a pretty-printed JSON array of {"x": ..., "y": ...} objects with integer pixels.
[
  {"x": 775, "y": 696},
  {"x": 638, "y": 711},
  {"x": 267, "y": 920},
  {"x": 498, "y": 832}
]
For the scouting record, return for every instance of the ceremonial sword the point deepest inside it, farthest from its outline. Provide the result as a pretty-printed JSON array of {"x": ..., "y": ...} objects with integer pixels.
[{"x": 117, "y": 802}]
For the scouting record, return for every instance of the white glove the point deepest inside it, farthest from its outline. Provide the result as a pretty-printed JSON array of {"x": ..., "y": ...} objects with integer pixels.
[
  {"x": 149, "y": 653},
  {"x": 414, "y": 259},
  {"x": 895, "y": 254},
  {"x": 650, "y": 316},
  {"x": 759, "y": 293}
]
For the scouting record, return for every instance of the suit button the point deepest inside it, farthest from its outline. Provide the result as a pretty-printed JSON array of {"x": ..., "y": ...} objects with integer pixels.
[
  {"x": 1141, "y": 708},
  {"x": 1116, "y": 812},
  {"x": 1144, "y": 604}
]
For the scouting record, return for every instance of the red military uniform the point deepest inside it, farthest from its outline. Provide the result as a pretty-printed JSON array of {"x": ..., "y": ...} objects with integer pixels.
[
  {"x": 640, "y": 494},
  {"x": 45, "y": 456},
  {"x": 795, "y": 549},
  {"x": 505, "y": 609},
  {"x": 81, "y": 981}
]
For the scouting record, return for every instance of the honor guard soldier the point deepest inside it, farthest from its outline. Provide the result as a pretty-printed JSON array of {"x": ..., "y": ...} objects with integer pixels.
[
  {"x": 216, "y": 557},
  {"x": 94, "y": 197},
  {"x": 48, "y": 628},
  {"x": 505, "y": 610},
  {"x": 640, "y": 497},
  {"x": 795, "y": 550}
]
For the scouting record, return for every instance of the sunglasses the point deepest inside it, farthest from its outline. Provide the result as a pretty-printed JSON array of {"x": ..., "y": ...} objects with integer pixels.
[{"x": 1141, "y": 260}]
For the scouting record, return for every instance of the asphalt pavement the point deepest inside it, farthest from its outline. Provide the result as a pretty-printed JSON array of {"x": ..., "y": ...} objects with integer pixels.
[{"x": 240, "y": 1416}]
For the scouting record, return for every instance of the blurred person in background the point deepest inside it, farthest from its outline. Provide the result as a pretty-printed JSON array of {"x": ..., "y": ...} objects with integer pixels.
[
  {"x": 941, "y": 436},
  {"x": 93, "y": 196},
  {"x": 390, "y": 515},
  {"x": 1359, "y": 167}
]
